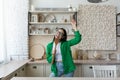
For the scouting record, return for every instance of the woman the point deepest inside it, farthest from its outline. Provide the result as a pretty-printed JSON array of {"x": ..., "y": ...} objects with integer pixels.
[{"x": 58, "y": 52}]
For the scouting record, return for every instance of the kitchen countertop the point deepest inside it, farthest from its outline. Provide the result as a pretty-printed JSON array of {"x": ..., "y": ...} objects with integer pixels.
[
  {"x": 74, "y": 78},
  {"x": 89, "y": 62},
  {"x": 10, "y": 67}
]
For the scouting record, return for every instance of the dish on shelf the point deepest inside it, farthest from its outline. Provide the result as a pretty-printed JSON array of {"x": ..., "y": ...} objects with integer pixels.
[
  {"x": 41, "y": 18},
  {"x": 50, "y": 18},
  {"x": 54, "y": 29},
  {"x": 37, "y": 51},
  {"x": 40, "y": 30},
  {"x": 46, "y": 30}
]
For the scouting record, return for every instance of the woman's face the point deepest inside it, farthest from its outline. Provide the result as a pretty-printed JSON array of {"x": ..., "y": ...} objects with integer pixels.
[{"x": 59, "y": 34}]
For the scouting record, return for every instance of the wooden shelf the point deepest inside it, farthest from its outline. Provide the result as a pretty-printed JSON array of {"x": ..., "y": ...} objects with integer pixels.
[
  {"x": 52, "y": 11},
  {"x": 61, "y": 16},
  {"x": 46, "y": 34},
  {"x": 47, "y": 23}
]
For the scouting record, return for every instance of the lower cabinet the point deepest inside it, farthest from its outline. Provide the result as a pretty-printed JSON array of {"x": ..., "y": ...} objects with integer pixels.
[
  {"x": 38, "y": 70},
  {"x": 21, "y": 72},
  {"x": 44, "y": 70},
  {"x": 78, "y": 72},
  {"x": 87, "y": 71},
  {"x": 47, "y": 70},
  {"x": 35, "y": 70}
]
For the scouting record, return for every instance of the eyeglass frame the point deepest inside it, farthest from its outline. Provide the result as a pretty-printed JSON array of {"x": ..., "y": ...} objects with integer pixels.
[{"x": 57, "y": 30}]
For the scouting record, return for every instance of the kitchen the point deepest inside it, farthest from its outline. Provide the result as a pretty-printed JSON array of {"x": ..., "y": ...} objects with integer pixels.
[{"x": 19, "y": 48}]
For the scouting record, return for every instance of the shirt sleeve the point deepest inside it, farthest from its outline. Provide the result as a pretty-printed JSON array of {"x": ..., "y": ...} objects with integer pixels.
[{"x": 77, "y": 38}]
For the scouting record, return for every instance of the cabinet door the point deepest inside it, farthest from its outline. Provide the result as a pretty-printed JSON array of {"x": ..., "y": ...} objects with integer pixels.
[
  {"x": 35, "y": 70},
  {"x": 87, "y": 71},
  {"x": 47, "y": 70},
  {"x": 22, "y": 71},
  {"x": 78, "y": 71},
  {"x": 8, "y": 77}
]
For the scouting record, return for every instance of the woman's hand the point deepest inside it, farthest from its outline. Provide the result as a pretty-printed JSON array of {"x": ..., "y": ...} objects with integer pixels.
[
  {"x": 54, "y": 50},
  {"x": 73, "y": 22}
]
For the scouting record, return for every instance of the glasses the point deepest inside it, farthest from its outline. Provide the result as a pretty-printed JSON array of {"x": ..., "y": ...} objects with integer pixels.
[{"x": 60, "y": 33}]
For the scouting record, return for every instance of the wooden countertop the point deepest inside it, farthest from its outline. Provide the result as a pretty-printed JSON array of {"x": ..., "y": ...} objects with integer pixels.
[
  {"x": 74, "y": 78},
  {"x": 89, "y": 62}
]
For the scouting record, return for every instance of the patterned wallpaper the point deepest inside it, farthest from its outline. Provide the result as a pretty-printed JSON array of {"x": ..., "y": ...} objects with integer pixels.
[{"x": 97, "y": 24}]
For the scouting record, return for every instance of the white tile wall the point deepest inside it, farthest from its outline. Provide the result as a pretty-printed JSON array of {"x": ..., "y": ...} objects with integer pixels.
[{"x": 16, "y": 27}]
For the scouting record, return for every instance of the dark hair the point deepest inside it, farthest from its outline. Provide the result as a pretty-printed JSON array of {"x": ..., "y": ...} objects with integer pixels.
[{"x": 64, "y": 37}]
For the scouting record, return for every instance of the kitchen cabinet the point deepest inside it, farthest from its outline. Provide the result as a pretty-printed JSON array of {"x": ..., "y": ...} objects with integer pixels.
[
  {"x": 78, "y": 70},
  {"x": 47, "y": 70},
  {"x": 45, "y": 21},
  {"x": 8, "y": 77},
  {"x": 38, "y": 70},
  {"x": 87, "y": 71},
  {"x": 21, "y": 72},
  {"x": 35, "y": 70}
]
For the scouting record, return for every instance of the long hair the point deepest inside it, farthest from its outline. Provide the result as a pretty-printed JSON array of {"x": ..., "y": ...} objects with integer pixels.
[{"x": 64, "y": 37}]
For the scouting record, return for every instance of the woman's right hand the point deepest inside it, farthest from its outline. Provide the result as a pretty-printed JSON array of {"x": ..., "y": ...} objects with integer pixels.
[{"x": 54, "y": 52}]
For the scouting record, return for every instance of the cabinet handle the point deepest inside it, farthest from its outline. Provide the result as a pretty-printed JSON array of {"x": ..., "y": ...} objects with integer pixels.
[
  {"x": 34, "y": 67},
  {"x": 90, "y": 67},
  {"x": 15, "y": 74},
  {"x": 22, "y": 69}
]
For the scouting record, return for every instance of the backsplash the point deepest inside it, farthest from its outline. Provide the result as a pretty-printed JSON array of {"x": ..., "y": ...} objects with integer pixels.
[
  {"x": 44, "y": 40},
  {"x": 97, "y": 26}
]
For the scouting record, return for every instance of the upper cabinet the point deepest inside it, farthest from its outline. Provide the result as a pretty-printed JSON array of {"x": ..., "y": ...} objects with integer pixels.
[{"x": 45, "y": 21}]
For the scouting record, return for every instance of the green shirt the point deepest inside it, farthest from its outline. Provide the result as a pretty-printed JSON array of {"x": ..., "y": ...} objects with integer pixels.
[{"x": 67, "y": 60}]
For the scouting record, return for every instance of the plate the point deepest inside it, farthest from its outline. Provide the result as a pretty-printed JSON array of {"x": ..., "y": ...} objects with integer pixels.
[
  {"x": 49, "y": 18},
  {"x": 37, "y": 51},
  {"x": 41, "y": 18},
  {"x": 47, "y": 30}
]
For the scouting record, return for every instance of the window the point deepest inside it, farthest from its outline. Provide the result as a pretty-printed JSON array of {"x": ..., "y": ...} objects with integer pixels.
[{"x": 1, "y": 33}]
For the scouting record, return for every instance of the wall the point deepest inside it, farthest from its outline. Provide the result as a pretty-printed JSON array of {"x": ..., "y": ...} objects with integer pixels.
[
  {"x": 15, "y": 22},
  {"x": 74, "y": 3},
  {"x": 15, "y": 25},
  {"x": 65, "y": 3}
]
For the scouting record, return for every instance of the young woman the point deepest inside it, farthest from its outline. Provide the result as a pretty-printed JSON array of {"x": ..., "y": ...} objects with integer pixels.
[{"x": 58, "y": 52}]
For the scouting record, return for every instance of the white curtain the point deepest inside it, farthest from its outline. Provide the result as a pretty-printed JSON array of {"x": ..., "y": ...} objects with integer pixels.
[
  {"x": 2, "y": 44},
  {"x": 13, "y": 29}
]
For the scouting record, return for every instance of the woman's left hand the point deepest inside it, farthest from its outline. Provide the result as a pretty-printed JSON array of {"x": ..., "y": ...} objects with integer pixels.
[{"x": 73, "y": 22}]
